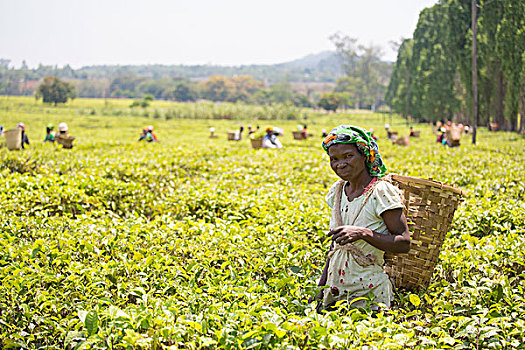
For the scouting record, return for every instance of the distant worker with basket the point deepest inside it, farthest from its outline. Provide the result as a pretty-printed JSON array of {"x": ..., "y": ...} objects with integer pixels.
[
  {"x": 25, "y": 139},
  {"x": 63, "y": 138},
  {"x": 367, "y": 221}
]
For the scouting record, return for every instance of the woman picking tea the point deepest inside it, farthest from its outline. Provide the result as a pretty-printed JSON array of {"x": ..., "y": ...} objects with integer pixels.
[{"x": 367, "y": 220}]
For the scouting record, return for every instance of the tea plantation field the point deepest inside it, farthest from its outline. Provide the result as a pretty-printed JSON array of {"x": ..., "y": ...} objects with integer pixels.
[{"x": 199, "y": 243}]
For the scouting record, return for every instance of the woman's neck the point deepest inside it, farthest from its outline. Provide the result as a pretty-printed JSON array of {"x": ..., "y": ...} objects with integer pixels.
[{"x": 359, "y": 184}]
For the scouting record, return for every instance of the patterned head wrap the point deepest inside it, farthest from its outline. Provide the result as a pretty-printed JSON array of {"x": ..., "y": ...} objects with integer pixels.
[{"x": 366, "y": 145}]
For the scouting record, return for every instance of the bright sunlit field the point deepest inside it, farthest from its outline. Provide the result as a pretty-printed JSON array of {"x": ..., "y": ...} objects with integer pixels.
[{"x": 195, "y": 243}]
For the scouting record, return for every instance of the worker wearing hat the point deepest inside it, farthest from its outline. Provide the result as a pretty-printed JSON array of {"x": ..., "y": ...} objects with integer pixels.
[
  {"x": 270, "y": 140},
  {"x": 25, "y": 139},
  {"x": 50, "y": 134},
  {"x": 63, "y": 137}
]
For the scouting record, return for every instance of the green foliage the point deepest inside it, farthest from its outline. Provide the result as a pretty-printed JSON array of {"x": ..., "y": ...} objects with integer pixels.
[
  {"x": 218, "y": 88},
  {"x": 202, "y": 243},
  {"x": 351, "y": 88},
  {"x": 54, "y": 90},
  {"x": 432, "y": 73},
  {"x": 329, "y": 101},
  {"x": 366, "y": 75},
  {"x": 398, "y": 90},
  {"x": 149, "y": 98},
  {"x": 183, "y": 92},
  {"x": 459, "y": 43},
  {"x": 138, "y": 103},
  {"x": 93, "y": 81},
  {"x": 510, "y": 46},
  {"x": 209, "y": 110},
  {"x": 437, "y": 70}
]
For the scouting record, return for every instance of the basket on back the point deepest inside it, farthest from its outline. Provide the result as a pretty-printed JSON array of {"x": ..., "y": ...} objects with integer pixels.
[
  {"x": 298, "y": 135},
  {"x": 13, "y": 139},
  {"x": 65, "y": 141},
  {"x": 453, "y": 136},
  {"x": 429, "y": 208}
]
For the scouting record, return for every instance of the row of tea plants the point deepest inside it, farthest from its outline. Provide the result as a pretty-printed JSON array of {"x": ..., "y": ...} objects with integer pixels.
[{"x": 161, "y": 109}]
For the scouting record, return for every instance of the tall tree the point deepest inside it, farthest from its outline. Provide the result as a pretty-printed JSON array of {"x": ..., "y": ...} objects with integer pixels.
[
  {"x": 433, "y": 70},
  {"x": 329, "y": 101},
  {"x": 491, "y": 82},
  {"x": 54, "y": 90},
  {"x": 459, "y": 45},
  {"x": 510, "y": 40},
  {"x": 352, "y": 87},
  {"x": 398, "y": 91},
  {"x": 347, "y": 50},
  {"x": 218, "y": 88},
  {"x": 475, "y": 115},
  {"x": 183, "y": 91},
  {"x": 364, "y": 63},
  {"x": 467, "y": 60},
  {"x": 245, "y": 86}
]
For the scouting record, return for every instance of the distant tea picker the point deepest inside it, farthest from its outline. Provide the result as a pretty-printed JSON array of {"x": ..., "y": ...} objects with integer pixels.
[
  {"x": 270, "y": 140},
  {"x": 148, "y": 135},
  {"x": 16, "y": 138},
  {"x": 25, "y": 139},
  {"x": 368, "y": 219},
  {"x": 50, "y": 134},
  {"x": 63, "y": 138}
]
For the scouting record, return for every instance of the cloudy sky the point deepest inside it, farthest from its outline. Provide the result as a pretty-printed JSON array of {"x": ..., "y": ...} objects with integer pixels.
[{"x": 224, "y": 32}]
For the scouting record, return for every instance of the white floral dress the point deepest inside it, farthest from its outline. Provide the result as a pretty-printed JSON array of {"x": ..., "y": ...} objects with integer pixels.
[{"x": 346, "y": 278}]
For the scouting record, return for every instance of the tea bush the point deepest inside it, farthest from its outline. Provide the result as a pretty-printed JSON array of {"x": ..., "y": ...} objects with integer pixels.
[{"x": 202, "y": 243}]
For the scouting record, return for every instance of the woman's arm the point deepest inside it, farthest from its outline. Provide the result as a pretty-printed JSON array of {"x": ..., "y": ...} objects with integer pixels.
[
  {"x": 397, "y": 242},
  {"x": 324, "y": 276}
]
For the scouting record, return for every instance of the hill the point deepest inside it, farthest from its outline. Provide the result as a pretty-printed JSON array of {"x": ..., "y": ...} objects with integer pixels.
[{"x": 320, "y": 67}]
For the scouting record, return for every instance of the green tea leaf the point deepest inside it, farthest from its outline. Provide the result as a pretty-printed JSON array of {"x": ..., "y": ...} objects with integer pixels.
[
  {"x": 414, "y": 299},
  {"x": 91, "y": 322}
]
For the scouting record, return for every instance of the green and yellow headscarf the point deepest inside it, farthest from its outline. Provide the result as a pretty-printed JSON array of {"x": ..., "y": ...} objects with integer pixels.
[{"x": 364, "y": 142}]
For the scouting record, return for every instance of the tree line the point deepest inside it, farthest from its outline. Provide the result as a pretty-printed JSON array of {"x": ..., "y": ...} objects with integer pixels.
[
  {"x": 366, "y": 75},
  {"x": 92, "y": 81},
  {"x": 243, "y": 88},
  {"x": 361, "y": 85},
  {"x": 432, "y": 78},
  {"x": 217, "y": 88}
]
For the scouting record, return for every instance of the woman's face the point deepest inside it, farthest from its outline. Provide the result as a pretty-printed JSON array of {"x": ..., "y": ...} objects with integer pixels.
[{"x": 346, "y": 161}]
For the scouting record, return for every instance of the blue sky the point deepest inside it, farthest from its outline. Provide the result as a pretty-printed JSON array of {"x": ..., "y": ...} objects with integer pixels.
[{"x": 225, "y": 32}]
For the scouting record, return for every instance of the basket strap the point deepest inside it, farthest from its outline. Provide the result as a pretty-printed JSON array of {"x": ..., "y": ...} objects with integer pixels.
[{"x": 357, "y": 254}]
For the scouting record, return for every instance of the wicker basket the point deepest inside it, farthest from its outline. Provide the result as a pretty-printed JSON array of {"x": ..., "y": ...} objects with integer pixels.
[
  {"x": 298, "y": 135},
  {"x": 231, "y": 136},
  {"x": 13, "y": 139},
  {"x": 429, "y": 208},
  {"x": 403, "y": 141},
  {"x": 256, "y": 143},
  {"x": 454, "y": 134},
  {"x": 65, "y": 141}
]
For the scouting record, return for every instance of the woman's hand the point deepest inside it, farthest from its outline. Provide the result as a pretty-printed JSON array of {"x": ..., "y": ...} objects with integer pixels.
[
  {"x": 398, "y": 241},
  {"x": 348, "y": 234}
]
